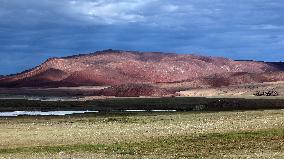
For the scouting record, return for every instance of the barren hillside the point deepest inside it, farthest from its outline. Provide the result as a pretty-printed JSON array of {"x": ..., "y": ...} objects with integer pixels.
[{"x": 114, "y": 68}]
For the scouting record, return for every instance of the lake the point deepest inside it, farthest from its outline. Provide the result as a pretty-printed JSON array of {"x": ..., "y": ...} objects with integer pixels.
[{"x": 62, "y": 113}]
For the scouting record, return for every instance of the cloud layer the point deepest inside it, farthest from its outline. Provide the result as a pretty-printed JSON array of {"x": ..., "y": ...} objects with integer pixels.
[{"x": 33, "y": 30}]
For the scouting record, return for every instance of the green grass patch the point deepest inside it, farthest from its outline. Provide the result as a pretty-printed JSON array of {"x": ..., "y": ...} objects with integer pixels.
[{"x": 185, "y": 145}]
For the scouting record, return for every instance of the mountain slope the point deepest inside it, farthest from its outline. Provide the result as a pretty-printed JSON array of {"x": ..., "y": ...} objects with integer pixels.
[{"x": 112, "y": 67}]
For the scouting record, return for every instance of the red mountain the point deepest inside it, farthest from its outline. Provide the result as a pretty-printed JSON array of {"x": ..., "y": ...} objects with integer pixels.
[{"x": 112, "y": 67}]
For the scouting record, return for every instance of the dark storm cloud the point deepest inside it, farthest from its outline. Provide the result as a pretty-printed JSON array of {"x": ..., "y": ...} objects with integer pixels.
[{"x": 33, "y": 30}]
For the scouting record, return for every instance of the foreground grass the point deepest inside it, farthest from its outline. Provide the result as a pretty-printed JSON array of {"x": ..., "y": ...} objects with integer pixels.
[
  {"x": 207, "y": 145},
  {"x": 146, "y": 135}
]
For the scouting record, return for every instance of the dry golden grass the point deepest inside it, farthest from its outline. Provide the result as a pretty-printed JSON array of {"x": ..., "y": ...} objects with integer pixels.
[{"x": 21, "y": 136}]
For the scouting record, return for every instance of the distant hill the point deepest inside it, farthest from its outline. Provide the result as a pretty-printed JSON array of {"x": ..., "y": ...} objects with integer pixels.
[
  {"x": 278, "y": 65},
  {"x": 117, "y": 68}
]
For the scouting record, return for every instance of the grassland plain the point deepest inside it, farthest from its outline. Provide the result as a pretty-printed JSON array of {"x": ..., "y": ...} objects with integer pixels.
[{"x": 237, "y": 134}]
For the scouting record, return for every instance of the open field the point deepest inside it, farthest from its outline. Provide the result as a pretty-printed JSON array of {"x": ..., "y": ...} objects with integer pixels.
[
  {"x": 255, "y": 134},
  {"x": 61, "y": 91},
  {"x": 241, "y": 90}
]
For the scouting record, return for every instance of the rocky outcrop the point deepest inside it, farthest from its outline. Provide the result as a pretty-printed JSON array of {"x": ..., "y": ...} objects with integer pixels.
[{"x": 266, "y": 93}]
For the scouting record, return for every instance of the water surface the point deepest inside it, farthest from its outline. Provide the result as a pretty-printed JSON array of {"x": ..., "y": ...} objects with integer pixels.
[
  {"x": 41, "y": 113},
  {"x": 62, "y": 113}
]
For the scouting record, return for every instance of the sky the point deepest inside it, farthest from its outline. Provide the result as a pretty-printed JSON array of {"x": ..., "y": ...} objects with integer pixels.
[{"x": 33, "y": 30}]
